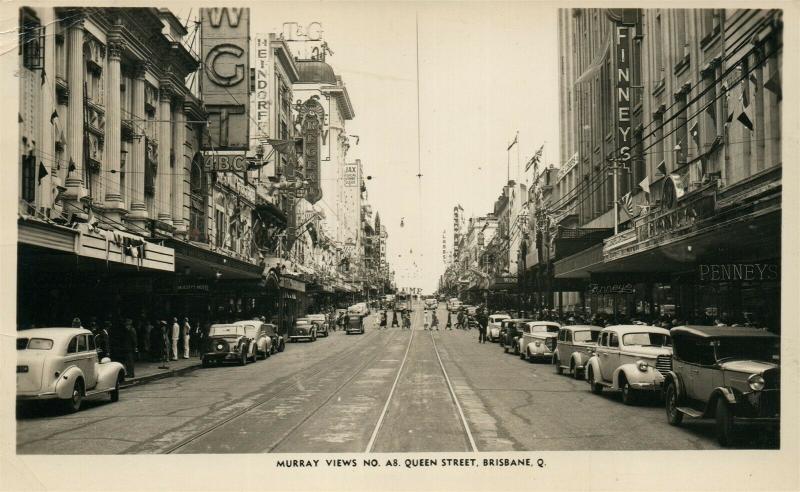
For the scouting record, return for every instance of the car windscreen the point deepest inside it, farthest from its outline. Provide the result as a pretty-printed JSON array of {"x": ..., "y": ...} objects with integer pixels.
[
  {"x": 646, "y": 339},
  {"x": 544, "y": 329},
  {"x": 250, "y": 330},
  {"x": 34, "y": 344},
  {"x": 222, "y": 330},
  {"x": 763, "y": 349},
  {"x": 585, "y": 336}
]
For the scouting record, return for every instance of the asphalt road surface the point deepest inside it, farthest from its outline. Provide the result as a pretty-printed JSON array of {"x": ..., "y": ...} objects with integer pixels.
[{"x": 388, "y": 390}]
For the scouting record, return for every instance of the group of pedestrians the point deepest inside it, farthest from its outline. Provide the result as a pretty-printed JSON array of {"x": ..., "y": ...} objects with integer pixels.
[
  {"x": 404, "y": 318},
  {"x": 129, "y": 342}
]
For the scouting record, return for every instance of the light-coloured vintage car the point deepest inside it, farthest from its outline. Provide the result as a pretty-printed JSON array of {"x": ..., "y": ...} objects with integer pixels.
[
  {"x": 229, "y": 342},
  {"x": 538, "y": 340},
  {"x": 630, "y": 358},
  {"x": 62, "y": 364},
  {"x": 303, "y": 329},
  {"x": 322, "y": 323},
  {"x": 576, "y": 344},
  {"x": 256, "y": 331},
  {"x": 731, "y": 374},
  {"x": 278, "y": 343},
  {"x": 493, "y": 329}
]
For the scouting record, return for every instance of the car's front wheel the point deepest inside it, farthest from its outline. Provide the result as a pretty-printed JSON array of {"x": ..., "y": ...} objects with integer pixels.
[
  {"x": 243, "y": 358},
  {"x": 114, "y": 394},
  {"x": 674, "y": 416},
  {"x": 557, "y": 362},
  {"x": 73, "y": 404},
  {"x": 281, "y": 347},
  {"x": 628, "y": 394},
  {"x": 594, "y": 387},
  {"x": 725, "y": 430}
]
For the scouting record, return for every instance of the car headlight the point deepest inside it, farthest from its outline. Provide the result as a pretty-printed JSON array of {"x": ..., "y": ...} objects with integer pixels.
[
  {"x": 642, "y": 365},
  {"x": 538, "y": 344},
  {"x": 756, "y": 382}
]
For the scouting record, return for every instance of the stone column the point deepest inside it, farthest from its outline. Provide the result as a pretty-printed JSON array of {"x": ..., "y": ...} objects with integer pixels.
[
  {"x": 164, "y": 175},
  {"x": 138, "y": 214},
  {"x": 178, "y": 173},
  {"x": 114, "y": 206},
  {"x": 76, "y": 188},
  {"x": 46, "y": 138}
]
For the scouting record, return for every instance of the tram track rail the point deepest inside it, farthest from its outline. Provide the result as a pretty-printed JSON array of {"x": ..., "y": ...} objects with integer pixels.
[{"x": 287, "y": 387}]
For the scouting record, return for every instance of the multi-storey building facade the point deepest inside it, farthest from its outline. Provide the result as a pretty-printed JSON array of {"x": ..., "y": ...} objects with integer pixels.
[{"x": 702, "y": 88}]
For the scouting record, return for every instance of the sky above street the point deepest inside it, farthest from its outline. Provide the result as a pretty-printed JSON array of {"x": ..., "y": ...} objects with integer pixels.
[{"x": 486, "y": 70}]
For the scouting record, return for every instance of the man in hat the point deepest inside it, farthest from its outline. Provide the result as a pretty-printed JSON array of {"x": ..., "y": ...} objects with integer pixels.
[
  {"x": 186, "y": 335},
  {"x": 76, "y": 322}
]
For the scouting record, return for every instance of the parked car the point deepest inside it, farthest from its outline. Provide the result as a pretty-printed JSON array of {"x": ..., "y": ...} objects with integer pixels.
[
  {"x": 62, "y": 364},
  {"x": 731, "y": 374},
  {"x": 355, "y": 325},
  {"x": 576, "y": 344},
  {"x": 493, "y": 329},
  {"x": 303, "y": 329},
  {"x": 255, "y": 331},
  {"x": 538, "y": 340},
  {"x": 471, "y": 310},
  {"x": 630, "y": 358},
  {"x": 322, "y": 323},
  {"x": 511, "y": 332},
  {"x": 229, "y": 342},
  {"x": 278, "y": 343}
]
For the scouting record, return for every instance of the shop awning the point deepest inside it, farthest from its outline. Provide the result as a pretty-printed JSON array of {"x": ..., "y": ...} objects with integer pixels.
[
  {"x": 290, "y": 283},
  {"x": 203, "y": 262},
  {"x": 116, "y": 248}
]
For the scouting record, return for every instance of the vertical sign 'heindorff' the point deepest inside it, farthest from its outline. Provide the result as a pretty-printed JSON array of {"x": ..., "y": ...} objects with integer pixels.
[
  {"x": 225, "y": 55},
  {"x": 623, "y": 94},
  {"x": 262, "y": 90}
]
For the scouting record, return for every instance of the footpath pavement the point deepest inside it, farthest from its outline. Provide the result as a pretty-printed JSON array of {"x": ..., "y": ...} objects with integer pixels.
[{"x": 147, "y": 371}]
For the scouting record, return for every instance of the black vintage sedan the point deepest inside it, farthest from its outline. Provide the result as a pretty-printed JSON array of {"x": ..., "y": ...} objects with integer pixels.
[{"x": 510, "y": 332}]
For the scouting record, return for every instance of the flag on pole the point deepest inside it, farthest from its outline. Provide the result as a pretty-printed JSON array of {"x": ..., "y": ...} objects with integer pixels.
[
  {"x": 516, "y": 139},
  {"x": 535, "y": 159},
  {"x": 645, "y": 184}
]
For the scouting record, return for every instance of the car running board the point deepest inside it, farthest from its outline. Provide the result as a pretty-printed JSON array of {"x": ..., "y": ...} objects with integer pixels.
[{"x": 690, "y": 412}]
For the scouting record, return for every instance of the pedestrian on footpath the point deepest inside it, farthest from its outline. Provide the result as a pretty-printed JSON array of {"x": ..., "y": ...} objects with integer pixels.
[
  {"x": 175, "y": 336},
  {"x": 76, "y": 322},
  {"x": 186, "y": 330},
  {"x": 165, "y": 344},
  {"x": 434, "y": 321},
  {"x": 129, "y": 347},
  {"x": 101, "y": 340},
  {"x": 482, "y": 322}
]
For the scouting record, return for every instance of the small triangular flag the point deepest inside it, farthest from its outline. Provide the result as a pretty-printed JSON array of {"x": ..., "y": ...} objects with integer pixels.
[
  {"x": 773, "y": 84},
  {"x": 19, "y": 120},
  {"x": 44, "y": 75},
  {"x": 645, "y": 184},
  {"x": 53, "y": 117},
  {"x": 662, "y": 168},
  {"x": 42, "y": 171}
]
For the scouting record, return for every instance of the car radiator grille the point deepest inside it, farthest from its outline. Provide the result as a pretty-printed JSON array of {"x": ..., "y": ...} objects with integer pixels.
[{"x": 664, "y": 364}]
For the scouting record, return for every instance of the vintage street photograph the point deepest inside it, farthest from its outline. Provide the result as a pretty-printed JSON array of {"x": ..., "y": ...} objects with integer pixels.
[{"x": 343, "y": 227}]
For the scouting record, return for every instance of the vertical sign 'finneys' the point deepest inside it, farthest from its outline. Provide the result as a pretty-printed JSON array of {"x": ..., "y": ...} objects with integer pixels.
[
  {"x": 225, "y": 52},
  {"x": 623, "y": 94}
]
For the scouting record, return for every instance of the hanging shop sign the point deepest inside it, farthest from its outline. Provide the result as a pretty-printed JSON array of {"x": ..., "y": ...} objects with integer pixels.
[
  {"x": 225, "y": 54},
  {"x": 262, "y": 69},
  {"x": 732, "y": 272},
  {"x": 623, "y": 93},
  {"x": 224, "y": 162},
  {"x": 311, "y": 117},
  {"x": 292, "y": 284},
  {"x": 351, "y": 175}
]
